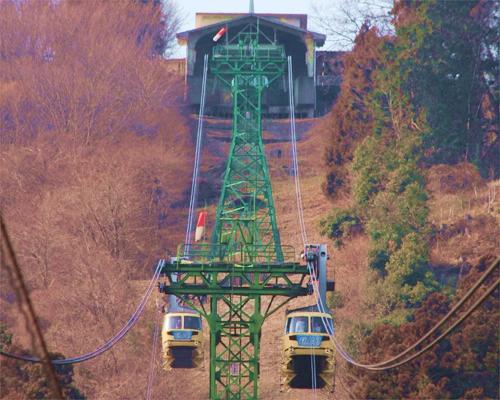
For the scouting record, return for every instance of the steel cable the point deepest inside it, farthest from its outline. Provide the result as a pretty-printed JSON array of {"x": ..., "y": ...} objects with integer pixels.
[
  {"x": 469, "y": 293},
  {"x": 111, "y": 342},
  {"x": 349, "y": 359},
  {"x": 446, "y": 332},
  {"x": 295, "y": 163},
  {"x": 321, "y": 306},
  {"x": 197, "y": 158},
  {"x": 152, "y": 362},
  {"x": 298, "y": 197}
]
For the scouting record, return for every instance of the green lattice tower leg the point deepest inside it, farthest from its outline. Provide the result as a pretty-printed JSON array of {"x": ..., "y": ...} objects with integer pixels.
[{"x": 235, "y": 346}]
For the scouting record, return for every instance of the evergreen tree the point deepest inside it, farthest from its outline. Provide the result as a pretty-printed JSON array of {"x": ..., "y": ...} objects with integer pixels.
[
  {"x": 449, "y": 65},
  {"x": 351, "y": 118}
]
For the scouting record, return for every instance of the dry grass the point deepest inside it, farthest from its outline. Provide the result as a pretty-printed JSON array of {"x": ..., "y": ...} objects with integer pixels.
[{"x": 465, "y": 211}]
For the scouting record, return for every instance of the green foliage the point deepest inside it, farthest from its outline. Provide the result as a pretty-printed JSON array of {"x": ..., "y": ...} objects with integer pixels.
[
  {"x": 420, "y": 104},
  {"x": 434, "y": 99},
  {"x": 407, "y": 269},
  {"x": 367, "y": 173},
  {"x": 29, "y": 380},
  {"x": 340, "y": 224},
  {"x": 396, "y": 317},
  {"x": 447, "y": 56},
  {"x": 388, "y": 186},
  {"x": 5, "y": 336}
]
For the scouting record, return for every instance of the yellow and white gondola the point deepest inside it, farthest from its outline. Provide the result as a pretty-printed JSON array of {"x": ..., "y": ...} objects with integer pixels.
[
  {"x": 182, "y": 339},
  {"x": 306, "y": 340}
]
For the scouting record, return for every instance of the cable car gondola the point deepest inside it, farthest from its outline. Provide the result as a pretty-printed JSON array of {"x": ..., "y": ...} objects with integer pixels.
[
  {"x": 182, "y": 339},
  {"x": 306, "y": 342}
]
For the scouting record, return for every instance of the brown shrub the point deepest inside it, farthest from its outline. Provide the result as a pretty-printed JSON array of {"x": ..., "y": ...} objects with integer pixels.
[
  {"x": 463, "y": 365},
  {"x": 84, "y": 69},
  {"x": 445, "y": 178},
  {"x": 94, "y": 150}
]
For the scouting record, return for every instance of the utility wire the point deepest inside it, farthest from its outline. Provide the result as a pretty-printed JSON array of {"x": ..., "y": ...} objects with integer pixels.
[{"x": 31, "y": 319}]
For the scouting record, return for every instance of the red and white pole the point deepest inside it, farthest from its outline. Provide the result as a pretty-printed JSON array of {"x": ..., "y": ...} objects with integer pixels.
[{"x": 219, "y": 34}]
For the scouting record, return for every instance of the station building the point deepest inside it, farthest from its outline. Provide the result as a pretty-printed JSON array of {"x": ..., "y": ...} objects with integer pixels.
[{"x": 316, "y": 74}]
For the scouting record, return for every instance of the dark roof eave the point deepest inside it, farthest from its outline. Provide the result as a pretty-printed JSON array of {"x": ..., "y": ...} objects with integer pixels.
[{"x": 319, "y": 38}]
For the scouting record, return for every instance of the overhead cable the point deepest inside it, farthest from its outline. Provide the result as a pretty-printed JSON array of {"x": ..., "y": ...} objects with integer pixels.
[
  {"x": 384, "y": 365},
  {"x": 197, "y": 158},
  {"x": 111, "y": 342},
  {"x": 390, "y": 363},
  {"x": 298, "y": 197},
  {"x": 295, "y": 163},
  {"x": 450, "y": 313}
]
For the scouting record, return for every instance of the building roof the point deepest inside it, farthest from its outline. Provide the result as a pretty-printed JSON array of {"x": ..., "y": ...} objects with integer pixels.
[
  {"x": 301, "y": 18},
  {"x": 268, "y": 19}
]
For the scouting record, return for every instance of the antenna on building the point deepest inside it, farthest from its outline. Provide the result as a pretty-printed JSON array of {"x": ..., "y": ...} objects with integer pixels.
[{"x": 251, "y": 8}]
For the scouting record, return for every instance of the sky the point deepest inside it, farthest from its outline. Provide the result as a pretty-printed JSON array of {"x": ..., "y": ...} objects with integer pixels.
[{"x": 188, "y": 8}]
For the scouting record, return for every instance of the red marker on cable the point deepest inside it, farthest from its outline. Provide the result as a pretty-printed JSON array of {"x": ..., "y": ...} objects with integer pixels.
[
  {"x": 200, "y": 226},
  {"x": 219, "y": 34}
]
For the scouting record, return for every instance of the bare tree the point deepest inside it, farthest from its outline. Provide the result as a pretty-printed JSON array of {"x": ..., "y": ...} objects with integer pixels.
[
  {"x": 172, "y": 22},
  {"x": 342, "y": 20}
]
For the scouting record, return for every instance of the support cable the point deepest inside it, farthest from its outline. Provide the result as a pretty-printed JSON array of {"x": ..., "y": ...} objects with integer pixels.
[
  {"x": 298, "y": 196},
  {"x": 446, "y": 332},
  {"x": 30, "y": 316},
  {"x": 295, "y": 163},
  {"x": 152, "y": 362},
  {"x": 387, "y": 364},
  {"x": 450, "y": 313},
  {"x": 197, "y": 158},
  {"x": 111, "y": 342},
  {"x": 384, "y": 366}
]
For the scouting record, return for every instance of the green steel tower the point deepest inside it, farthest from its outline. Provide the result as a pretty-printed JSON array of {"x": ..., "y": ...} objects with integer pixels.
[
  {"x": 245, "y": 270},
  {"x": 246, "y": 217}
]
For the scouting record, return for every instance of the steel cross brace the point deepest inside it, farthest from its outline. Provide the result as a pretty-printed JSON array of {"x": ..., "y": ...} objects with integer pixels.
[
  {"x": 201, "y": 279},
  {"x": 236, "y": 314}
]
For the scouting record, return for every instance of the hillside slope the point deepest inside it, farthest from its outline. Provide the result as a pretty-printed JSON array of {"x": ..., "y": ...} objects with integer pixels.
[{"x": 464, "y": 211}]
